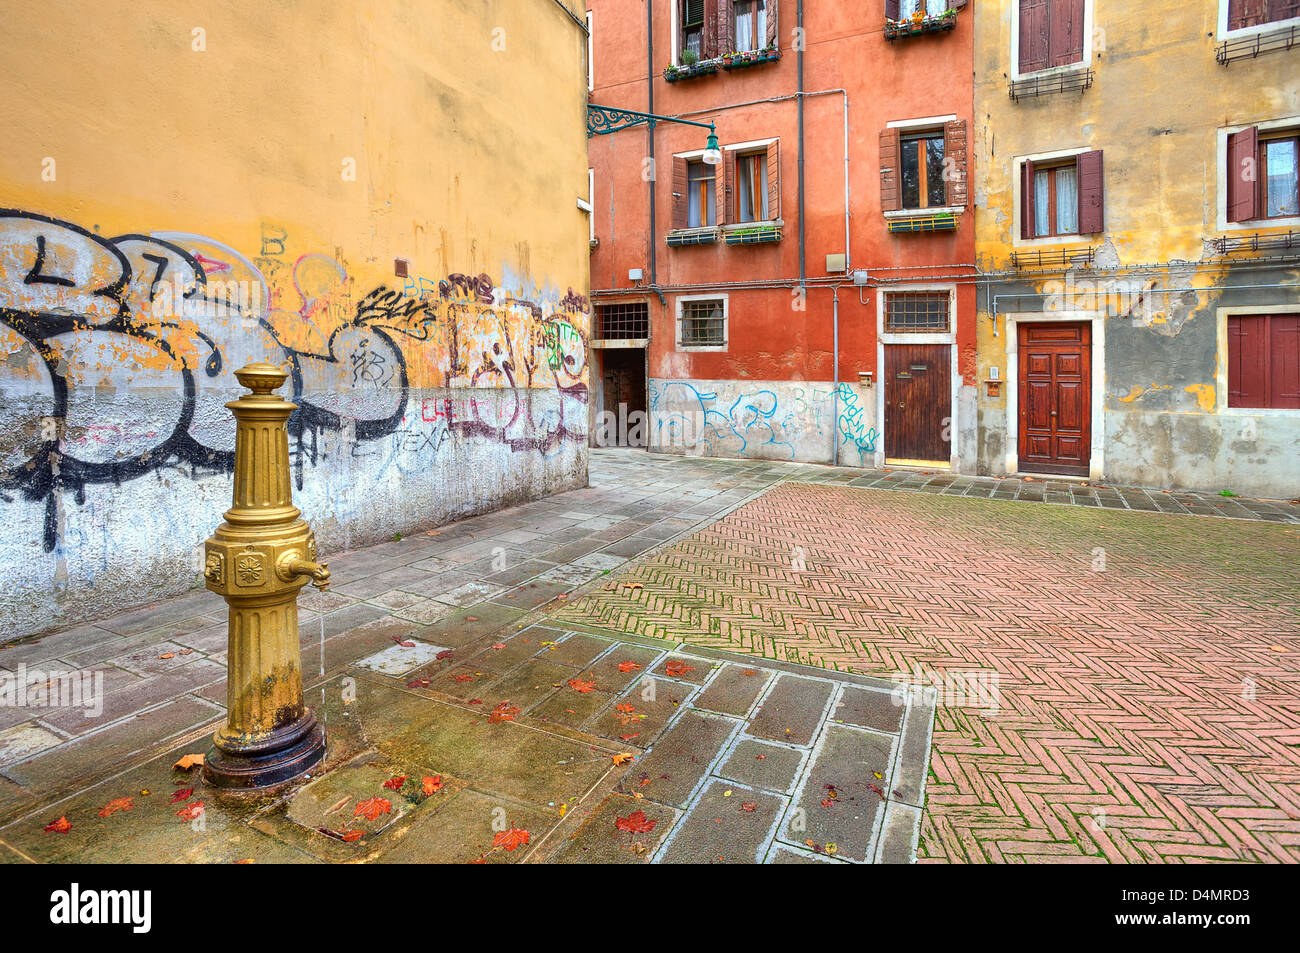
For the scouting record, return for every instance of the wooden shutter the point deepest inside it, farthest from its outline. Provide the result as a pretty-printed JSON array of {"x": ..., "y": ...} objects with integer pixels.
[
  {"x": 679, "y": 192},
  {"x": 1243, "y": 13},
  {"x": 774, "y": 181},
  {"x": 728, "y": 171},
  {"x": 891, "y": 195},
  {"x": 710, "y": 41},
  {"x": 891, "y": 9},
  {"x": 1092, "y": 194},
  {"x": 1065, "y": 32},
  {"x": 1247, "y": 367},
  {"x": 1284, "y": 361},
  {"x": 1033, "y": 35},
  {"x": 720, "y": 183},
  {"x": 954, "y": 148},
  {"x": 1243, "y": 175},
  {"x": 1283, "y": 9},
  {"x": 1027, "y": 199}
]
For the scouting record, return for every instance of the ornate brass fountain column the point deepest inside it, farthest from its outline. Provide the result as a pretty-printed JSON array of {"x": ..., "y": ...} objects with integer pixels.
[{"x": 258, "y": 559}]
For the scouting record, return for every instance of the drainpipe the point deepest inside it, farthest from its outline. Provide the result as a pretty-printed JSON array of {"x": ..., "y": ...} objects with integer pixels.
[
  {"x": 650, "y": 134},
  {"x": 803, "y": 247},
  {"x": 835, "y": 392}
]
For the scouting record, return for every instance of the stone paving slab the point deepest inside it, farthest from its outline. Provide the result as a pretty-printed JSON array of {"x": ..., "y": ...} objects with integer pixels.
[{"x": 1107, "y": 684}]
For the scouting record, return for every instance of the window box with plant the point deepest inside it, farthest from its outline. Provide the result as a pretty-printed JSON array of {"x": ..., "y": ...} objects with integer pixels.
[
  {"x": 739, "y": 60},
  {"x": 904, "y": 18},
  {"x": 691, "y": 66}
]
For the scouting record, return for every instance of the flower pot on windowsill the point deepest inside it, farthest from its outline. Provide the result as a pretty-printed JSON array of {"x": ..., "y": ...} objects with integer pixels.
[
  {"x": 674, "y": 74},
  {"x": 734, "y": 61},
  {"x": 900, "y": 29}
]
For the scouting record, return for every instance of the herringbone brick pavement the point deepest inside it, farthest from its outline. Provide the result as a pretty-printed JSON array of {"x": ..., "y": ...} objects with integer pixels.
[{"x": 1147, "y": 686}]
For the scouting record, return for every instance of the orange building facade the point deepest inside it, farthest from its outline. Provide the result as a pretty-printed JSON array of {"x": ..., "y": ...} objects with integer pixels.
[{"x": 811, "y": 295}]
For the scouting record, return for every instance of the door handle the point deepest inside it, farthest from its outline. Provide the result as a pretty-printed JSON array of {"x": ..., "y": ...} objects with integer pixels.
[
  {"x": 900, "y": 405},
  {"x": 1053, "y": 413}
]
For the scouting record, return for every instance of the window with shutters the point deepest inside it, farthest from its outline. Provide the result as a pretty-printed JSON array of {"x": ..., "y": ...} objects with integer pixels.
[
  {"x": 691, "y": 38},
  {"x": 1264, "y": 361},
  {"x": 748, "y": 25},
  {"x": 1244, "y": 14},
  {"x": 923, "y": 166},
  {"x": 1050, "y": 33},
  {"x": 1263, "y": 174},
  {"x": 702, "y": 322},
  {"x": 1062, "y": 197}
]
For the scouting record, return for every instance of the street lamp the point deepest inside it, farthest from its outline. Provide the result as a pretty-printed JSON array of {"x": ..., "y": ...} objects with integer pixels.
[
  {"x": 602, "y": 120},
  {"x": 712, "y": 154}
]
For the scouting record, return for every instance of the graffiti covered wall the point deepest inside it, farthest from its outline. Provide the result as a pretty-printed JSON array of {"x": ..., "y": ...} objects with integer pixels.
[
  {"x": 133, "y": 284},
  {"x": 765, "y": 420}
]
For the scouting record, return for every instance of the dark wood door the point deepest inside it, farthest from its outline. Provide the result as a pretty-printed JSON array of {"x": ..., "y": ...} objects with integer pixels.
[
  {"x": 623, "y": 374},
  {"x": 918, "y": 402},
  {"x": 1055, "y": 397}
]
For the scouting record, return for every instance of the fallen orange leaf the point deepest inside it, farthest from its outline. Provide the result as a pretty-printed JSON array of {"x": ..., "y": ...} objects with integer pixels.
[
  {"x": 432, "y": 785},
  {"x": 189, "y": 762},
  {"x": 509, "y": 840},
  {"x": 371, "y": 808},
  {"x": 61, "y": 826},
  {"x": 678, "y": 667},
  {"x": 623, "y": 758},
  {"x": 635, "y": 823},
  {"x": 190, "y": 811},
  {"x": 580, "y": 685},
  {"x": 115, "y": 805},
  {"x": 628, "y": 666}
]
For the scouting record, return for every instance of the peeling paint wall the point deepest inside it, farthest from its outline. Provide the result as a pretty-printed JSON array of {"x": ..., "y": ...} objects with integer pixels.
[
  {"x": 1157, "y": 288},
  {"x": 191, "y": 197}
]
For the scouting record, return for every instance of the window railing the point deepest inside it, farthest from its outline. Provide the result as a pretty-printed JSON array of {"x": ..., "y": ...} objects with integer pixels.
[
  {"x": 1056, "y": 258},
  {"x": 1249, "y": 47},
  {"x": 1257, "y": 242},
  {"x": 919, "y": 23},
  {"x": 1063, "y": 82}
]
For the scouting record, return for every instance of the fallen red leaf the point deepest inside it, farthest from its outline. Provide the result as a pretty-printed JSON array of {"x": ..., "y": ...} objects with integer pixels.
[
  {"x": 499, "y": 646},
  {"x": 61, "y": 826},
  {"x": 404, "y": 644},
  {"x": 115, "y": 805},
  {"x": 748, "y": 807},
  {"x": 625, "y": 708},
  {"x": 395, "y": 783},
  {"x": 182, "y": 794},
  {"x": 190, "y": 811},
  {"x": 509, "y": 840},
  {"x": 503, "y": 712},
  {"x": 677, "y": 667},
  {"x": 350, "y": 836},
  {"x": 635, "y": 823},
  {"x": 581, "y": 685},
  {"x": 464, "y": 678},
  {"x": 445, "y": 653},
  {"x": 628, "y": 666},
  {"x": 371, "y": 808}
]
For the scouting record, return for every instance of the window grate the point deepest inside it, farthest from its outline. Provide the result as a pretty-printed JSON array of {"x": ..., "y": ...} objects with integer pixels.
[
  {"x": 619, "y": 321},
  {"x": 1034, "y": 86},
  {"x": 703, "y": 324},
  {"x": 1249, "y": 47},
  {"x": 916, "y": 311}
]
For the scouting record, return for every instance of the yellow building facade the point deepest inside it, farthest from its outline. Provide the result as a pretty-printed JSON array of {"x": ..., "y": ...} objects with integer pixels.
[
  {"x": 1134, "y": 186},
  {"x": 386, "y": 200}
]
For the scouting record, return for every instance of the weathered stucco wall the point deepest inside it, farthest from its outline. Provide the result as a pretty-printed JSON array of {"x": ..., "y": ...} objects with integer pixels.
[
  {"x": 1158, "y": 109},
  {"x": 235, "y": 184}
]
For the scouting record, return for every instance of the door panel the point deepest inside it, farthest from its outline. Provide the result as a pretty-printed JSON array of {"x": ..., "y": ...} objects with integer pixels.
[
  {"x": 918, "y": 401},
  {"x": 1055, "y": 389}
]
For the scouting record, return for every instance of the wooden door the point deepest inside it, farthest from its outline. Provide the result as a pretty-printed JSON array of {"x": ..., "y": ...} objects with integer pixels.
[
  {"x": 1055, "y": 391},
  {"x": 625, "y": 392},
  {"x": 918, "y": 403}
]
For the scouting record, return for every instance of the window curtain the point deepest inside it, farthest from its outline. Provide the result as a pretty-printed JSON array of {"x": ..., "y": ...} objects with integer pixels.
[
  {"x": 930, "y": 8},
  {"x": 1067, "y": 201},
  {"x": 1042, "y": 204}
]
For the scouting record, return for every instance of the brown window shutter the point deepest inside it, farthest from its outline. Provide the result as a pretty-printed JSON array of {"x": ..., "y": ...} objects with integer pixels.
[
  {"x": 679, "y": 192},
  {"x": 1065, "y": 32},
  {"x": 1027, "y": 199},
  {"x": 891, "y": 197},
  {"x": 1247, "y": 361},
  {"x": 954, "y": 149},
  {"x": 772, "y": 23},
  {"x": 891, "y": 9},
  {"x": 728, "y": 211},
  {"x": 723, "y": 30},
  {"x": 1243, "y": 13},
  {"x": 1243, "y": 175},
  {"x": 721, "y": 183},
  {"x": 956, "y": 4},
  {"x": 774, "y": 181},
  {"x": 1092, "y": 194},
  {"x": 1283, "y": 9},
  {"x": 1033, "y": 35},
  {"x": 710, "y": 43},
  {"x": 1284, "y": 361}
]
